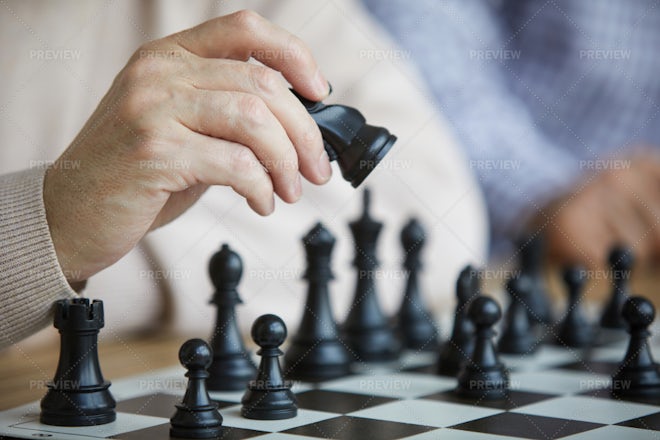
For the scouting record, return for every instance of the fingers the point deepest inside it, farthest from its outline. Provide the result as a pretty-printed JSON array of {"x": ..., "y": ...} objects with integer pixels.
[
  {"x": 268, "y": 85},
  {"x": 646, "y": 194},
  {"x": 579, "y": 234},
  {"x": 245, "y": 119},
  {"x": 627, "y": 226},
  {"x": 219, "y": 162},
  {"x": 246, "y": 34}
]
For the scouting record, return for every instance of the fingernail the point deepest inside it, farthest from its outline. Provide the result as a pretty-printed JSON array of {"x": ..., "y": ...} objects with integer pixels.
[
  {"x": 322, "y": 84},
  {"x": 325, "y": 170}
]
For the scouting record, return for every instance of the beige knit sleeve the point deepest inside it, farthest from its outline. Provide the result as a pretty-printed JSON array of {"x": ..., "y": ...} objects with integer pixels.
[{"x": 30, "y": 275}]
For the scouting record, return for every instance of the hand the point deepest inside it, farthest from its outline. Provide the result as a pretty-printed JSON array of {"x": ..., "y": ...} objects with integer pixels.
[
  {"x": 614, "y": 206},
  {"x": 186, "y": 112}
]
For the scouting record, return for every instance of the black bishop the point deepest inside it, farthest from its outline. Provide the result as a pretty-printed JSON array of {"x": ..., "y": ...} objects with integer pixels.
[
  {"x": 316, "y": 352},
  {"x": 231, "y": 368},
  {"x": 414, "y": 321}
]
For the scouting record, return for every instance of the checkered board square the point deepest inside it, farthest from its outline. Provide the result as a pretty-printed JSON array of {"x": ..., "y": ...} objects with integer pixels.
[{"x": 555, "y": 393}]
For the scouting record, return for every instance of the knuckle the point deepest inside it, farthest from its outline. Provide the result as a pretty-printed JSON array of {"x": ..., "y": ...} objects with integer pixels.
[
  {"x": 253, "y": 110},
  {"x": 296, "y": 48},
  {"x": 246, "y": 19},
  {"x": 141, "y": 67},
  {"x": 135, "y": 104},
  {"x": 261, "y": 187},
  {"x": 264, "y": 79},
  {"x": 289, "y": 163},
  {"x": 311, "y": 137},
  {"x": 132, "y": 104},
  {"x": 244, "y": 162}
]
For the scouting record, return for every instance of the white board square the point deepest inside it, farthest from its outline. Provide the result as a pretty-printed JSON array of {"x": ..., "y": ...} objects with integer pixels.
[
  {"x": 232, "y": 417},
  {"x": 425, "y": 412},
  {"x": 402, "y": 385},
  {"x": 125, "y": 422},
  {"x": 588, "y": 409},
  {"x": 615, "y": 433},
  {"x": 558, "y": 382}
]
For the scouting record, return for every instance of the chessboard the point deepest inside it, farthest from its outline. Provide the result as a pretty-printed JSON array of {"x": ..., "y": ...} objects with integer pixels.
[{"x": 556, "y": 392}]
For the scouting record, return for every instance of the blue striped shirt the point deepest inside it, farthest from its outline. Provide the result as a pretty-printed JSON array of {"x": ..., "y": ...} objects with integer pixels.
[{"x": 540, "y": 93}]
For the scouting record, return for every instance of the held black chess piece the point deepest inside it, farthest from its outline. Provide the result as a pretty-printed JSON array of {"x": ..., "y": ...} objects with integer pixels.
[
  {"x": 483, "y": 376},
  {"x": 518, "y": 335},
  {"x": 574, "y": 330},
  {"x": 621, "y": 261},
  {"x": 231, "y": 368},
  {"x": 78, "y": 395},
  {"x": 197, "y": 415},
  {"x": 368, "y": 331},
  {"x": 356, "y": 146},
  {"x": 269, "y": 397},
  {"x": 638, "y": 375},
  {"x": 415, "y": 323},
  {"x": 532, "y": 250},
  {"x": 316, "y": 352},
  {"x": 460, "y": 345}
]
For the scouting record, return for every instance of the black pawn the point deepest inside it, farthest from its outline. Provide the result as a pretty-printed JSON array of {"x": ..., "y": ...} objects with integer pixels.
[
  {"x": 316, "y": 352},
  {"x": 460, "y": 345},
  {"x": 368, "y": 332},
  {"x": 518, "y": 335},
  {"x": 638, "y": 375},
  {"x": 532, "y": 250},
  {"x": 197, "y": 415},
  {"x": 231, "y": 368},
  {"x": 621, "y": 262},
  {"x": 483, "y": 376},
  {"x": 574, "y": 330},
  {"x": 269, "y": 397},
  {"x": 78, "y": 395},
  {"x": 415, "y": 323}
]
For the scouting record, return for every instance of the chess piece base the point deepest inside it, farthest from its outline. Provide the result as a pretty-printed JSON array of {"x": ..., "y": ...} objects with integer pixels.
[
  {"x": 275, "y": 404},
  {"x": 485, "y": 384},
  {"x": 78, "y": 408}
]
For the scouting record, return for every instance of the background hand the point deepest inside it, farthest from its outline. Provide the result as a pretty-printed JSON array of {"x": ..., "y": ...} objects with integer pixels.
[{"x": 620, "y": 205}]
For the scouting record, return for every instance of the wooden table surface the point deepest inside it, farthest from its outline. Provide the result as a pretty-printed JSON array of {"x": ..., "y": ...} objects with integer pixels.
[{"x": 24, "y": 371}]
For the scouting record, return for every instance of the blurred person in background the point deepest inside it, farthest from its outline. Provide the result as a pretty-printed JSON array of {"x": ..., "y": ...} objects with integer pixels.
[
  {"x": 74, "y": 200},
  {"x": 556, "y": 106}
]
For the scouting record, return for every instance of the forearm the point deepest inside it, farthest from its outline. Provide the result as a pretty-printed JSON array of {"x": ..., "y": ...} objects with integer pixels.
[{"x": 30, "y": 275}]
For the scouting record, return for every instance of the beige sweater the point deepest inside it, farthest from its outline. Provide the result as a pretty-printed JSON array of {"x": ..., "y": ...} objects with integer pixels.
[
  {"x": 30, "y": 278},
  {"x": 46, "y": 99}
]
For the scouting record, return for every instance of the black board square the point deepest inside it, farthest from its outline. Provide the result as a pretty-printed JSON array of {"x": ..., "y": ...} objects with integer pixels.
[
  {"x": 526, "y": 426},
  {"x": 162, "y": 432},
  {"x": 514, "y": 400},
  {"x": 606, "y": 393},
  {"x": 596, "y": 367},
  {"x": 352, "y": 428},
  {"x": 651, "y": 421},
  {"x": 156, "y": 405},
  {"x": 337, "y": 401}
]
